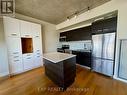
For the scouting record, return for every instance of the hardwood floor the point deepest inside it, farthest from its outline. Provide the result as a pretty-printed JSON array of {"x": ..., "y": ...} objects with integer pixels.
[{"x": 86, "y": 83}]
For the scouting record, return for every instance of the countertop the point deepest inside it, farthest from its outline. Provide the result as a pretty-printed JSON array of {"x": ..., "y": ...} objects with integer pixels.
[{"x": 56, "y": 57}]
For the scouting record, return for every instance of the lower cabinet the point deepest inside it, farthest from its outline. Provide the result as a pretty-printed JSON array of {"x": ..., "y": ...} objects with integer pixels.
[
  {"x": 28, "y": 61},
  {"x": 37, "y": 59},
  {"x": 15, "y": 63},
  {"x": 83, "y": 58}
]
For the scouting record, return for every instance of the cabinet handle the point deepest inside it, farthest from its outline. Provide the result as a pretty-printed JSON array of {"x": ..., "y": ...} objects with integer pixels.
[
  {"x": 15, "y": 52},
  {"x": 36, "y": 36},
  {"x": 28, "y": 55},
  {"x": 27, "y": 35},
  {"x": 38, "y": 56},
  {"x": 16, "y": 56},
  {"x": 99, "y": 30},
  {"x": 14, "y": 34},
  {"x": 29, "y": 58},
  {"x": 106, "y": 29},
  {"x": 16, "y": 60}
]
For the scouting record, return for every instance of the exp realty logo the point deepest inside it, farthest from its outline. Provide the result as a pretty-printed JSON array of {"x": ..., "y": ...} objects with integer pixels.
[{"x": 7, "y": 7}]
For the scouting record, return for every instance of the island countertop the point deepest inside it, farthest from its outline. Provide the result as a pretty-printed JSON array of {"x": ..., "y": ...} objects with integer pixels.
[{"x": 56, "y": 57}]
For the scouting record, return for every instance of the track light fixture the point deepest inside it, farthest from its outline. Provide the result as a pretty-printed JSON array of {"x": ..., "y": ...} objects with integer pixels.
[{"x": 77, "y": 13}]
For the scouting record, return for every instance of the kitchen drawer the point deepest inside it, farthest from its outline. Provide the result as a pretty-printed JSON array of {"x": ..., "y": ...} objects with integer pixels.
[{"x": 28, "y": 61}]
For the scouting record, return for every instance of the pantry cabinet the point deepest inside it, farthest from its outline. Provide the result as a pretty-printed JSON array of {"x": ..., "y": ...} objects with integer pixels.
[{"x": 24, "y": 44}]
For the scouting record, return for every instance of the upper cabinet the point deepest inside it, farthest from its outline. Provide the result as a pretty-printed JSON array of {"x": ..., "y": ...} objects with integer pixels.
[
  {"x": 77, "y": 34},
  {"x": 11, "y": 27},
  {"x": 36, "y": 30},
  {"x": 25, "y": 29},
  {"x": 97, "y": 27},
  {"x": 110, "y": 25},
  {"x": 104, "y": 26}
]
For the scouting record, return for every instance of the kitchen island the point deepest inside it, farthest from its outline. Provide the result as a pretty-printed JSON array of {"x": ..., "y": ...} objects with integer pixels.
[{"x": 60, "y": 68}]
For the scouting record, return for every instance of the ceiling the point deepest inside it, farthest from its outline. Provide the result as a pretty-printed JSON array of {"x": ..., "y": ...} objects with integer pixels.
[{"x": 54, "y": 11}]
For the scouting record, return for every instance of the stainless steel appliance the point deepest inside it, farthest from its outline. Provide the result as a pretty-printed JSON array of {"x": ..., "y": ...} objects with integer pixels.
[{"x": 103, "y": 53}]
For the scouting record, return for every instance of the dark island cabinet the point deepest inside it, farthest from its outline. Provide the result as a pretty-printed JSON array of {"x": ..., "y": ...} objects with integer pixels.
[
  {"x": 78, "y": 34},
  {"x": 104, "y": 26}
]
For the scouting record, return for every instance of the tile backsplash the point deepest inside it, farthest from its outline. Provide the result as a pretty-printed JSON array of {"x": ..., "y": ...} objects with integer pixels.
[{"x": 74, "y": 45}]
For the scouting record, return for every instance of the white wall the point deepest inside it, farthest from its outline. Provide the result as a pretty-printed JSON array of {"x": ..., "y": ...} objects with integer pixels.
[
  {"x": 49, "y": 33},
  {"x": 3, "y": 52},
  {"x": 113, "y": 5}
]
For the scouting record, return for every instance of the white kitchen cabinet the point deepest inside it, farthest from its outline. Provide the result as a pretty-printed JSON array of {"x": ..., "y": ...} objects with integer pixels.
[
  {"x": 14, "y": 44},
  {"x": 15, "y": 31},
  {"x": 28, "y": 61},
  {"x": 37, "y": 60},
  {"x": 37, "y": 45},
  {"x": 36, "y": 30},
  {"x": 37, "y": 51},
  {"x": 25, "y": 28},
  {"x": 14, "y": 55},
  {"x": 15, "y": 62},
  {"x": 11, "y": 27}
]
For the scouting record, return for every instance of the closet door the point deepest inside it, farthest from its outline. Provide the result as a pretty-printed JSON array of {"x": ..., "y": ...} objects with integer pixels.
[{"x": 123, "y": 60}]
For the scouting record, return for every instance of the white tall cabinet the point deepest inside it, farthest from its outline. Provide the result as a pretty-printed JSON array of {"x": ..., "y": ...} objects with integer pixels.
[{"x": 15, "y": 30}]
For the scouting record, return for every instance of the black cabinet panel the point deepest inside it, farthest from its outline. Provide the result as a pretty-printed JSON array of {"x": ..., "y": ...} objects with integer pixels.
[
  {"x": 97, "y": 27},
  {"x": 83, "y": 58},
  {"x": 63, "y": 34},
  {"x": 78, "y": 34},
  {"x": 104, "y": 26},
  {"x": 110, "y": 25}
]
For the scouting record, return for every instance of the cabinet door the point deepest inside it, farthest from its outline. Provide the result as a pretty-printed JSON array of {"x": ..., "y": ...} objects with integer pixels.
[
  {"x": 25, "y": 28},
  {"x": 28, "y": 61},
  {"x": 110, "y": 25},
  {"x": 14, "y": 44},
  {"x": 37, "y": 44},
  {"x": 11, "y": 27},
  {"x": 37, "y": 59},
  {"x": 97, "y": 27},
  {"x": 36, "y": 30},
  {"x": 15, "y": 63}
]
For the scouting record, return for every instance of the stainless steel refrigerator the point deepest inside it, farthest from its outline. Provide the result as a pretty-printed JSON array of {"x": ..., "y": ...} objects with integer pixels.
[{"x": 103, "y": 53}]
